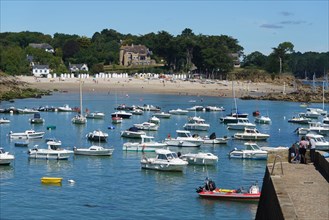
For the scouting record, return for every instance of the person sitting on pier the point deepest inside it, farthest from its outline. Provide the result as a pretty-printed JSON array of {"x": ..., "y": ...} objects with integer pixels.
[{"x": 294, "y": 153}]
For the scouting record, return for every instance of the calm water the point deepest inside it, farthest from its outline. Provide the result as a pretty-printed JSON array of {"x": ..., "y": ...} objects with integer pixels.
[{"x": 116, "y": 187}]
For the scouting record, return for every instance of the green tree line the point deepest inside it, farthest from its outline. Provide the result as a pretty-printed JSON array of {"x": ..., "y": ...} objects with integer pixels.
[{"x": 209, "y": 55}]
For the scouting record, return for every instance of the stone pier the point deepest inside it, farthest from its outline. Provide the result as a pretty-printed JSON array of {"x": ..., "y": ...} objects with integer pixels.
[{"x": 295, "y": 191}]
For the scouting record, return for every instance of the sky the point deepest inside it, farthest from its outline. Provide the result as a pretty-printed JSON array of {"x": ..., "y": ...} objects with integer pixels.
[{"x": 257, "y": 25}]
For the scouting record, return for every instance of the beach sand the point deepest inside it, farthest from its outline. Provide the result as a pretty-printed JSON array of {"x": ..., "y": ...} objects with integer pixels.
[{"x": 156, "y": 86}]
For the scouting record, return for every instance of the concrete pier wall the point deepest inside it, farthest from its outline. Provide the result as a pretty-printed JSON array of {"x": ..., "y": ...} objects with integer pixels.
[{"x": 300, "y": 192}]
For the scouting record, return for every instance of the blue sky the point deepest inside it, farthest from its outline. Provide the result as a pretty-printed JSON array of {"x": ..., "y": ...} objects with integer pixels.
[{"x": 257, "y": 25}]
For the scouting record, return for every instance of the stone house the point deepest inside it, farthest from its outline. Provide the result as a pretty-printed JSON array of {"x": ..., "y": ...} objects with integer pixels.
[
  {"x": 135, "y": 55},
  {"x": 43, "y": 46}
]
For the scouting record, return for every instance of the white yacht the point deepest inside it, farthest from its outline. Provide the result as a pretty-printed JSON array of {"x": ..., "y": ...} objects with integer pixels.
[
  {"x": 263, "y": 119},
  {"x": 28, "y": 134},
  {"x": 200, "y": 158},
  {"x": 65, "y": 108},
  {"x": 251, "y": 134},
  {"x": 5, "y": 157},
  {"x": 93, "y": 150},
  {"x": 184, "y": 139},
  {"x": 146, "y": 145},
  {"x": 250, "y": 151},
  {"x": 314, "y": 127},
  {"x": 4, "y": 120},
  {"x": 241, "y": 124},
  {"x": 148, "y": 126},
  {"x": 178, "y": 112},
  {"x": 320, "y": 142},
  {"x": 52, "y": 152},
  {"x": 162, "y": 115},
  {"x": 165, "y": 160},
  {"x": 95, "y": 115},
  {"x": 154, "y": 120},
  {"x": 122, "y": 114},
  {"x": 196, "y": 123}
]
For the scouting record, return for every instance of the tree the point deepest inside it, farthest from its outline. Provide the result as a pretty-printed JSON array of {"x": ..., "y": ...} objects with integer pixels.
[
  {"x": 281, "y": 52},
  {"x": 255, "y": 59}
]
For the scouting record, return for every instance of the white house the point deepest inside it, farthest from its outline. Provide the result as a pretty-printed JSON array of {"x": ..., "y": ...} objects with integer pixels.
[
  {"x": 40, "y": 70},
  {"x": 75, "y": 68}
]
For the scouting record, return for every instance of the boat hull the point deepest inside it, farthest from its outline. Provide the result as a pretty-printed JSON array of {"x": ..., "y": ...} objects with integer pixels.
[
  {"x": 247, "y": 197},
  {"x": 49, "y": 154},
  {"x": 182, "y": 143},
  {"x": 51, "y": 180},
  {"x": 86, "y": 152},
  {"x": 162, "y": 166}
]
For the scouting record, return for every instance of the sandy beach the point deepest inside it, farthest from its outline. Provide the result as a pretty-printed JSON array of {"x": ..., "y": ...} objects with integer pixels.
[{"x": 157, "y": 86}]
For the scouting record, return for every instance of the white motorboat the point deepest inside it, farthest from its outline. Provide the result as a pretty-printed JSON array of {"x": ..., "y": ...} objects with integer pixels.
[
  {"x": 95, "y": 115},
  {"x": 154, "y": 120},
  {"x": 251, "y": 151},
  {"x": 321, "y": 111},
  {"x": 263, "y": 119},
  {"x": 214, "y": 108},
  {"x": 212, "y": 139},
  {"x": 65, "y": 108},
  {"x": 178, "y": 112},
  {"x": 5, "y": 157},
  {"x": 26, "y": 111},
  {"x": 146, "y": 145},
  {"x": 28, "y": 134},
  {"x": 311, "y": 113},
  {"x": 146, "y": 107},
  {"x": 4, "y": 120},
  {"x": 93, "y": 150},
  {"x": 251, "y": 134},
  {"x": 122, "y": 114},
  {"x": 299, "y": 120},
  {"x": 137, "y": 111},
  {"x": 52, "y": 152},
  {"x": 325, "y": 121},
  {"x": 165, "y": 160},
  {"x": 320, "y": 142},
  {"x": 97, "y": 135},
  {"x": 314, "y": 127},
  {"x": 200, "y": 158},
  {"x": 148, "y": 126},
  {"x": 196, "y": 108},
  {"x": 196, "y": 123},
  {"x": 162, "y": 115},
  {"x": 241, "y": 124},
  {"x": 184, "y": 139},
  {"x": 132, "y": 132}
]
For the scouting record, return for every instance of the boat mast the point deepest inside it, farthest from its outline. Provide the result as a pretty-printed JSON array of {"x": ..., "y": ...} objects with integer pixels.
[{"x": 80, "y": 97}]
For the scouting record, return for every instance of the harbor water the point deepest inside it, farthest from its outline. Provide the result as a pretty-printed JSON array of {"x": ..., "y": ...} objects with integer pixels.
[{"x": 116, "y": 187}]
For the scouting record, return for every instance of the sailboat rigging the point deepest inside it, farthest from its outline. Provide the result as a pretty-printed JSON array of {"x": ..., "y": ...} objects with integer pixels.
[{"x": 79, "y": 118}]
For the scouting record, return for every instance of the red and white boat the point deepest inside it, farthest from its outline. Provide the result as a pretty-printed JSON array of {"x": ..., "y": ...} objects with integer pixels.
[
  {"x": 116, "y": 120},
  {"x": 253, "y": 194}
]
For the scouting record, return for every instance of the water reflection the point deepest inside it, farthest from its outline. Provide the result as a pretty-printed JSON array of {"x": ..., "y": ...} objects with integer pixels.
[
  {"x": 51, "y": 165},
  {"x": 6, "y": 172}
]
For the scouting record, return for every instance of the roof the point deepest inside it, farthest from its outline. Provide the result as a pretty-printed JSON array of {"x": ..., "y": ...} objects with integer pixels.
[
  {"x": 41, "y": 46},
  {"x": 135, "y": 49},
  {"x": 41, "y": 67}
]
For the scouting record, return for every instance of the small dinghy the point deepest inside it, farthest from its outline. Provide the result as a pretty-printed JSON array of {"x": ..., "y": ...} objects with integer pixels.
[
  {"x": 51, "y": 180},
  {"x": 209, "y": 190}
]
